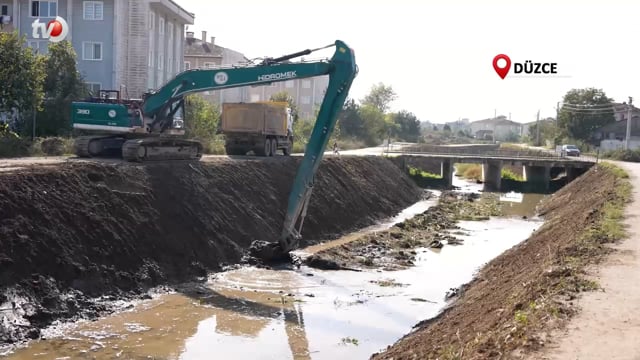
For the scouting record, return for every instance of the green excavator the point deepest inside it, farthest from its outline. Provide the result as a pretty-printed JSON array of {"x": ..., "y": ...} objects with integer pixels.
[{"x": 151, "y": 128}]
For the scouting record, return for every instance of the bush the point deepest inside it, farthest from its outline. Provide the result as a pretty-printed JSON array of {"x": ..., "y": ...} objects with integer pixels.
[
  {"x": 510, "y": 175},
  {"x": 14, "y": 147},
  {"x": 469, "y": 171},
  {"x": 53, "y": 146},
  {"x": 623, "y": 155}
]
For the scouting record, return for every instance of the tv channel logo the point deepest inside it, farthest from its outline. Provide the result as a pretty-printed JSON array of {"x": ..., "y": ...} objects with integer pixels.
[{"x": 55, "y": 30}]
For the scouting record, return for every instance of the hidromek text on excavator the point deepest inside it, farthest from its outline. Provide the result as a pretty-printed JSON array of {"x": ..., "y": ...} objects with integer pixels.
[{"x": 145, "y": 130}]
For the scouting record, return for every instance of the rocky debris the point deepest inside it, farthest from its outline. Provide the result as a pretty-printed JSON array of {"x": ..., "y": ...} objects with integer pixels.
[
  {"x": 394, "y": 249},
  {"x": 84, "y": 230}
]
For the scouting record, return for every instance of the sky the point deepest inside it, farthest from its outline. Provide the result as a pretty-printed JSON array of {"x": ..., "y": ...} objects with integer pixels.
[{"x": 438, "y": 55}]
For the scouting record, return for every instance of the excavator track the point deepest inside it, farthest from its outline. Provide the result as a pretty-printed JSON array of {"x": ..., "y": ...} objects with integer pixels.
[
  {"x": 159, "y": 149},
  {"x": 95, "y": 146}
]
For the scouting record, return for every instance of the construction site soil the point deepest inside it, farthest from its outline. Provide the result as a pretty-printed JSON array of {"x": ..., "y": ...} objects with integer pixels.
[
  {"x": 517, "y": 299},
  {"x": 70, "y": 233}
]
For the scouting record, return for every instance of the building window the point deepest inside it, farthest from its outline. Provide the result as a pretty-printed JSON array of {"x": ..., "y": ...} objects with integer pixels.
[
  {"x": 178, "y": 65},
  {"x": 289, "y": 84},
  {"x": 151, "y": 58},
  {"x": 152, "y": 20},
  {"x": 39, "y": 46},
  {"x": 305, "y": 100},
  {"x": 169, "y": 63},
  {"x": 209, "y": 65},
  {"x": 306, "y": 84},
  {"x": 187, "y": 66},
  {"x": 161, "y": 25},
  {"x": 160, "y": 61},
  {"x": 93, "y": 10},
  {"x": 255, "y": 97},
  {"x": 44, "y": 8},
  {"x": 94, "y": 88},
  {"x": 4, "y": 10},
  {"x": 170, "y": 30},
  {"x": 91, "y": 50}
]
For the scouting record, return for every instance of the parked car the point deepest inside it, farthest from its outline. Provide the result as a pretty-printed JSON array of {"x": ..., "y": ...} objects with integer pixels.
[{"x": 570, "y": 150}]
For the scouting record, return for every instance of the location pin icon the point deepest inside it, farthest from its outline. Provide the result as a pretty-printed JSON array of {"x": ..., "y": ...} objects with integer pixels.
[{"x": 502, "y": 71}]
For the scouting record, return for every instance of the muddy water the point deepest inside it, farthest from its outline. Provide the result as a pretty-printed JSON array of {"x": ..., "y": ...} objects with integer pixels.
[{"x": 287, "y": 314}]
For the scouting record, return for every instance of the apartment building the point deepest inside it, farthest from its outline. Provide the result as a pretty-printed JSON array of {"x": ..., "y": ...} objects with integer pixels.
[
  {"x": 127, "y": 45},
  {"x": 307, "y": 93},
  {"x": 202, "y": 54}
]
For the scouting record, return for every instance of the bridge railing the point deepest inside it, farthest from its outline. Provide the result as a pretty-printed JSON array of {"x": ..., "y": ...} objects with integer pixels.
[{"x": 509, "y": 154}]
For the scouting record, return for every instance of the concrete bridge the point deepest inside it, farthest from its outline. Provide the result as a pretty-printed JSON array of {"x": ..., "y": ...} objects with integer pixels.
[{"x": 536, "y": 169}]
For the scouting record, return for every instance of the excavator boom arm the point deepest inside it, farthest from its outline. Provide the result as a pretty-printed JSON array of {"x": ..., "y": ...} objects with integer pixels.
[{"x": 341, "y": 69}]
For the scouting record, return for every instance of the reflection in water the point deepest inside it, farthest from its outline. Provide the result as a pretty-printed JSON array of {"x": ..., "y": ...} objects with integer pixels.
[
  {"x": 527, "y": 207},
  {"x": 305, "y": 314}
]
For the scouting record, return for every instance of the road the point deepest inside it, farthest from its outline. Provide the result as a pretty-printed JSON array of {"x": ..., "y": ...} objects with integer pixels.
[
  {"x": 12, "y": 164},
  {"x": 608, "y": 326}
]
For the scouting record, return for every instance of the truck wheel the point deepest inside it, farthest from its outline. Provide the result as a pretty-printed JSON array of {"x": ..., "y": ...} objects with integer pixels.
[
  {"x": 274, "y": 147},
  {"x": 266, "y": 148}
]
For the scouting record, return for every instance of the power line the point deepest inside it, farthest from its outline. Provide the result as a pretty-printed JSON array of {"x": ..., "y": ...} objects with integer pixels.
[{"x": 596, "y": 106}]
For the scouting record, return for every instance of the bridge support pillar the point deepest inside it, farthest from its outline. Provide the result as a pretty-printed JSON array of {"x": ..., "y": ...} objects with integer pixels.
[
  {"x": 539, "y": 175},
  {"x": 492, "y": 175},
  {"x": 446, "y": 171}
]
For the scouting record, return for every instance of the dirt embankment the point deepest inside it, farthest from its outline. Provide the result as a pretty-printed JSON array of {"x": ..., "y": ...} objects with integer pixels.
[
  {"x": 508, "y": 309},
  {"x": 394, "y": 249},
  {"x": 72, "y": 232}
]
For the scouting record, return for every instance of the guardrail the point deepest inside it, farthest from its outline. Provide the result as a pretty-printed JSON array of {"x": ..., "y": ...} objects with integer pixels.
[{"x": 496, "y": 155}]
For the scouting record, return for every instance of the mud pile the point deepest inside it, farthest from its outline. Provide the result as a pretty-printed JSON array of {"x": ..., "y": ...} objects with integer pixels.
[
  {"x": 109, "y": 229},
  {"x": 394, "y": 249},
  {"x": 520, "y": 295}
]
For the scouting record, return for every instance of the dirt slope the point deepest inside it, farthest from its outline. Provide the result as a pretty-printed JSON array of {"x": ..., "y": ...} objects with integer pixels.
[
  {"x": 107, "y": 228},
  {"x": 527, "y": 290},
  {"x": 608, "y": 325}
]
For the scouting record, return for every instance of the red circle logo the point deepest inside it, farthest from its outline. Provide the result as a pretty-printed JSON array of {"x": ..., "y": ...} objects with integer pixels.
[{"x": 56, "y": 27}]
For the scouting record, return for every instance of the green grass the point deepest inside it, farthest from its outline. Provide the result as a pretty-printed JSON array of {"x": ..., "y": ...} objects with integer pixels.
[
  {"x": 510, "y": 175},
  {"x": 415, "y": 172}
]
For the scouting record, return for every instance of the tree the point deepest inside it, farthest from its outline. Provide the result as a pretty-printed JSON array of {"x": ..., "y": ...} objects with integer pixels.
[
  {"x": 374, "y": 124},
  {"x": 446, "y": 128},
  {"x": 21, "y": 75},
  {"x": 584, "y": 111},
  {"x": 407, "y": 125},
  {"x": 63, "y": 84},
  {"x": 284, "y": 96},
  {"x": 201, "y": 118},
  {"x": 380, "y": 96},
  {"x": 548, "y": 131},
  {"x": 351, "y": 123}
]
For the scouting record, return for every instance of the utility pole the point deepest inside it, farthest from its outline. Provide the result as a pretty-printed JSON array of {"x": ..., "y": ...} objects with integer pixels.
[
  {"x": 557, "y": 112},
  {"x": 627, "y": 138},
  {"x": 538, "y": 129},
  {"x": 495, "y": 113}
]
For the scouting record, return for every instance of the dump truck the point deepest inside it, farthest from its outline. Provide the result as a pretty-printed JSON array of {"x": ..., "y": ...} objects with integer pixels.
[{"x": 261, "y": 127}]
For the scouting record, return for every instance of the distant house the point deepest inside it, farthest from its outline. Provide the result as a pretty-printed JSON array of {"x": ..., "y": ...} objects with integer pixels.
[
  {"x": 618, "y": 129},
  {"x": 203, "y": 54},
  {"x": 500, "y": 128},
  {"x": 484, "y": 135}
]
